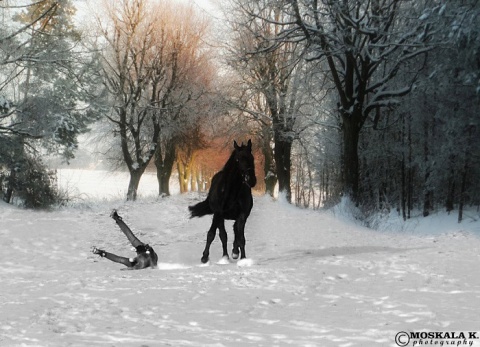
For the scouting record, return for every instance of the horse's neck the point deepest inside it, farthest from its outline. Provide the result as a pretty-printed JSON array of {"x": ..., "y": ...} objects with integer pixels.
[
  {"x": 231, "y": 170},
  {"x": 231, "y": 178},
  {"x": 225, "y": 186}
]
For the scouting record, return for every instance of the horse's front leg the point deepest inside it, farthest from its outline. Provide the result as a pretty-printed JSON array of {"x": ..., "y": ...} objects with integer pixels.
[
  {"x": 239, "y": 242},
  {"x": 235, "y": 250},
  {"x": 223, "y": 236},
  {"x": 210, "y": 237}
]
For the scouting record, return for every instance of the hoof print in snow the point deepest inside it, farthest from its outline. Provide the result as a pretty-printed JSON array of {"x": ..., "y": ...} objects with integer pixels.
[{"x": 224, "y": 261}]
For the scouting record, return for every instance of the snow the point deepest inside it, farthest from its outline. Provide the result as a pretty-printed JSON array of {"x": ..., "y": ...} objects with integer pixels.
[
  {"x": 4, "y": 103},
  {"x": 424, "y": 16},
  {"x": 310, "y": 278},
  {"x": 442, "y": 9},
  {"x": 135, "y": 166}
]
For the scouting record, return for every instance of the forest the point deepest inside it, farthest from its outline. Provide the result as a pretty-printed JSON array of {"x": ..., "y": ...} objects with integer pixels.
[{"x": 374, "y": 100}]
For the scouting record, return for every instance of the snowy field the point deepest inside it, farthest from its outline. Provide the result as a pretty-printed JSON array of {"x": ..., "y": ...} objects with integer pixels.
[
  {"x": 97, "y": 185},
  {"x": 311, "y": 279}
]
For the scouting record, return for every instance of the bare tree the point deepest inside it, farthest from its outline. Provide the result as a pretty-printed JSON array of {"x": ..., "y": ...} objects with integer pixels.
[
  {"x": 130, "y": 41},
  {"x": 271, "y": 77},
  {"x": 182, "y": 84},
  {"x": 157, "y": 70},
  {"x": 362, "y": 47}
]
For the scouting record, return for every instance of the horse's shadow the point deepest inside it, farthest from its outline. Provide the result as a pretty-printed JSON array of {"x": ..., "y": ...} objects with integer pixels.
[{"x": 334, "y": 252}]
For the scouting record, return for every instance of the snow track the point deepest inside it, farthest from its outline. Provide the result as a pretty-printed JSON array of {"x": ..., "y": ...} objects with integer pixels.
[{"x": 310, "y": 280}]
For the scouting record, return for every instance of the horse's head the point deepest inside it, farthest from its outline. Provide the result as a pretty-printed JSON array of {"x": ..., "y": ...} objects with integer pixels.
[{"x": 244, "y": 158}]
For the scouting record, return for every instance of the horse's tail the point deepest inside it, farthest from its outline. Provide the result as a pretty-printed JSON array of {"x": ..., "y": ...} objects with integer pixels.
[{"x": 200, "y": 209}]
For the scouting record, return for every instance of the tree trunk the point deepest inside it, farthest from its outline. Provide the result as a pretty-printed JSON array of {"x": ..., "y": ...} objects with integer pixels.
[
  {"x": 351, "y": 133},
  {"x": 186, "y": 176},
  {"x": 403, "y": 202},
  {"x": 193, "y": 179},
  {"x": 11, "y": 183},
  {"x": 135, "y": 176},
  {"x": 182, "y": 180},
  {"x": 184, "y": 167},
  {"x": 404, "y": 190},
  {"x": 199, "y": 179},
  {"x": 138, "y": 165},
  {"x": 462, "y": 193},
  {"x": 298, "y": 180},
  {"x": 269, "y": 168},
  {"x": 164, "y": 164},
  {"x": 427, "y": 197},
  {"x": 410, "y": 171},
  {"x": 282, "y": 154},
  {"x": 470, "y": 130},
  {"x": 163, "y": 178},
  {"x": 449, "y": 204},
  {"x": 325, "y": 184}
]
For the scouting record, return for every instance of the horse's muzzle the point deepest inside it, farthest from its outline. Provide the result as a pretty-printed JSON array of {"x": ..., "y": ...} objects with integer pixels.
[{"x": 250, "y": 180}]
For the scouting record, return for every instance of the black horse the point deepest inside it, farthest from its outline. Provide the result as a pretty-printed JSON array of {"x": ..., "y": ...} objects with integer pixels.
[{"x": 230, "y": 197}]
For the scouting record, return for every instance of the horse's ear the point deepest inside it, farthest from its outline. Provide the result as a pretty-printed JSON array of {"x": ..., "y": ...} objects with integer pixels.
[
  {"x": 235, "y": 144},
  {"x": 249, "y": 145}
]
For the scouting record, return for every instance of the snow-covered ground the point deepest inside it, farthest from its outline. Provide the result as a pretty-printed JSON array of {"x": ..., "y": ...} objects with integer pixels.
[
  {"x": 312, "y": 279},
  {"x": 100, "y": 185}
]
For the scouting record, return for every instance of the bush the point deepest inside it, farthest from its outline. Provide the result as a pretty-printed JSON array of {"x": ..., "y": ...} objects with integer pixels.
[{"x": 32, "y": 183}]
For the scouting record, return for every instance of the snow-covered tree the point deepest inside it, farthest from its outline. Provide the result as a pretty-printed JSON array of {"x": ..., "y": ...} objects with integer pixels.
[
  {"x": 422, "y": 153},
  {"x": 271, "y": 76},
  {"x": 45, "y": 85},
  {"x": 362, "y": 47}
]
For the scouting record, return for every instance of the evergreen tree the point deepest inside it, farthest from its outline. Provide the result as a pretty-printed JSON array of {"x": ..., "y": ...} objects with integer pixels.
[{"x": 46, "y": 88}]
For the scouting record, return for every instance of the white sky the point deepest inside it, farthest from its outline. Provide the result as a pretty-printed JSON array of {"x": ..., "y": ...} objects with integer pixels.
[{"x": 210, "y": 8}]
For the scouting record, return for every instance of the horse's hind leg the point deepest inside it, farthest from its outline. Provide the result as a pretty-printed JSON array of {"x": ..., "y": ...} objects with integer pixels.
[{"x": 210, "y": 238}]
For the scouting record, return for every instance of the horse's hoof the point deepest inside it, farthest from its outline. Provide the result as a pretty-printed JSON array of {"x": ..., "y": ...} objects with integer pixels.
[
  {"x": 235, "y": 255},
  {"x": 204, "y": 260}
]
